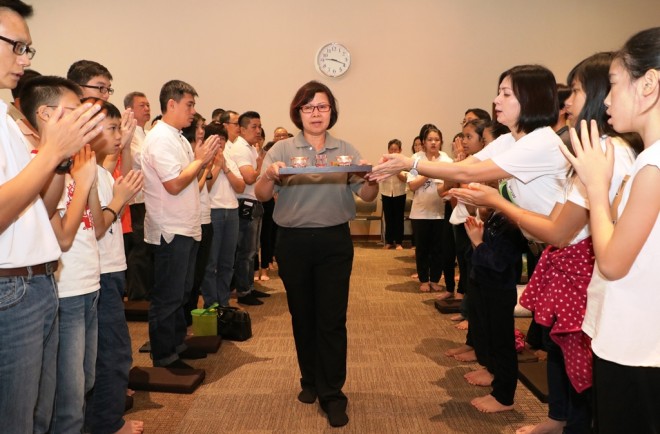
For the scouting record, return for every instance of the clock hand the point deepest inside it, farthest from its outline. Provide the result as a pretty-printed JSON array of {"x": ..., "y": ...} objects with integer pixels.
[{"x": 335, "y": 60}]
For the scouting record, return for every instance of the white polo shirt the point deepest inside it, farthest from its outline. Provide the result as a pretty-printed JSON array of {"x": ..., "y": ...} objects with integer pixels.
[
  {"x": 30, "y": 239},
  {"x": 165, "y": 153},
  {"x": 244, "y": 154},
  {"x": 136, "y": 157},
  {"x": 222, "y": 194}
]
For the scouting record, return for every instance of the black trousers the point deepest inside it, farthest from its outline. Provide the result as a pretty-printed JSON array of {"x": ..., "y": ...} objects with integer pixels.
[
  {"x": 492, "y": 326},
  {"x": 315, "y": 266},
  {"x": 393, "y": 208},
  {"x": 434, "y": 244},
  {"x": 140, "y": 260},
  {"x": 626, "y": 398}
]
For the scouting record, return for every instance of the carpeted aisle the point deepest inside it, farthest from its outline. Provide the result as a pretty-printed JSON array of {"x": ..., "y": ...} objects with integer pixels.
[{"x": 398, "y": 379}]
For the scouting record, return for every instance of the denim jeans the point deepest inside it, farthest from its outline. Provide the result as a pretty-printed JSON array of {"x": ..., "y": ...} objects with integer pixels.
[
  {"x": 248, "y": 240},
  {"x": 76, "y": 361},
  {"x": 105, "y": 404},
  {"x": 216, "y": 286},
  {"x": 28, "y": 352},
  {"x": 174, "y": 269}
]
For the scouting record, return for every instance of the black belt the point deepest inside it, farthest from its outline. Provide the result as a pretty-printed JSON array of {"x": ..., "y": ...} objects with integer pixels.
[{"x": 47, "y": 269}]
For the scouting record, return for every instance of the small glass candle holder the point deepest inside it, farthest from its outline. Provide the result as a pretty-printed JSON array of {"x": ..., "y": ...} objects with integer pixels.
[
  {"x": 298, "y": 161},
  {"x": 344, "y": 160},
  {"x": 321, "y": 160}
]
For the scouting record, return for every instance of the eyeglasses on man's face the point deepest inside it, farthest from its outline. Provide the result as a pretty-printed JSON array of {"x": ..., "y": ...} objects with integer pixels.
[
  {"x": 102, "y": 89},
  {"x": 322, "y": 108},
  {"x": 20, "y": 48}
]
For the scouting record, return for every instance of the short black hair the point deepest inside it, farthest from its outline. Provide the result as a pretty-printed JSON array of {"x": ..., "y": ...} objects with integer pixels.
[
  {"x": 394, "y": 142},
  {"x": 245, "y": 118},
  {"x": 110, "y": 110},
  {"x": 224, "y": 118},
  {"x": 480, "y": 113},
  {"x": 175, "y": 90},
  {"x": 190, "y": 131},
  {"x": 304, "y": 95},
  {"x": 217, "y": 112},
  {"x": 22, "y": 9},
  {"x": 28, "y": 74},
  {"x": 82, "y": 71},
  {"x": 535, "y": 89},
  {"x": 44, "y": 90},
  {"x": 215, "y": 128}
]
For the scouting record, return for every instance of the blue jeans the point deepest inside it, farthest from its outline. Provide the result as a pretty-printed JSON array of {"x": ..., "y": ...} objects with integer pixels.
[
  {"x": 76, "y": 361},
  {"x": 174, "y": 269},
  {"x": 28, "y": 352},
  {"x": 248, "y": 240},
  {"x": 216, "y": 286},
  {"x": 105, "y": 404}
]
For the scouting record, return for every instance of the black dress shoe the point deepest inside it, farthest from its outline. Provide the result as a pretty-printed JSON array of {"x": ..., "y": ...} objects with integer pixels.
[
  {"x": 307, "y": 396},
  {"x": 336, "y": 411},
  {"x": 191, "y": 354},
  {"x": 259, "y": 294},
  {"x": 250, "y": 300}
]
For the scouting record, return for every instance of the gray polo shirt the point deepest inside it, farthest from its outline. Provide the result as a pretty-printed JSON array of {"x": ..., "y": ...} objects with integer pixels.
[{"x": 313, "y": 200}]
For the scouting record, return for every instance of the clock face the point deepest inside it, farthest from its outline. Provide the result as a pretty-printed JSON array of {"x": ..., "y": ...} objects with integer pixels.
[{"x": 333, "y": 60}]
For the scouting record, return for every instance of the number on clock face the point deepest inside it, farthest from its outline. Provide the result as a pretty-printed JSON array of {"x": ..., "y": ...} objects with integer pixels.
[{"x": 333, "y": 60}]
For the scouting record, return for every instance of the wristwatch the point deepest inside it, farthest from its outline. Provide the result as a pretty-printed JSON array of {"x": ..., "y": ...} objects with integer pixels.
[
  {"x": 414, "y": 171},
  {"x": 64, "y": 166}
]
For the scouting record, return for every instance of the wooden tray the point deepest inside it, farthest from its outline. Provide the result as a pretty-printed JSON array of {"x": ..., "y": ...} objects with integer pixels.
[{"x": 326, "y": 169}]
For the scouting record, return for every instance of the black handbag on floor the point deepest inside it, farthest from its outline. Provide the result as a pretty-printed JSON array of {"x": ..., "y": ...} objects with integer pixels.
[{"x": 234, "y": 324}]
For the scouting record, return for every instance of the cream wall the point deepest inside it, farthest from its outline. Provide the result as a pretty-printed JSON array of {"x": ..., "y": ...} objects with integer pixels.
[{"x": 414, "y": 61}]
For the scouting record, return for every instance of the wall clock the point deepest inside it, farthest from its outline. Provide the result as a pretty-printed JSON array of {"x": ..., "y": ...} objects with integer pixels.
[{"x": 333, "y": 60}]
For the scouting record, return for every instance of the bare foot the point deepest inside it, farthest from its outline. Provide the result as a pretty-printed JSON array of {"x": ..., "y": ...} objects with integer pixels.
[
  {"x": 263, "y": 275},
  {"x": 132, "y": 427},
  {"x": 458, "y": 296},
  {"x": 399, "y": 247},
  {"x": 479, "y": 377},
  {"x": 425, "y": 287},
  {"x": 468, "y": 356},
  {"x": 414, "y": 276},
  {"x": 488, "y": 404},
  {"x": 548, "y": 426},
  {"x": 542, "y": 355},
  {"x": 387, "y": 246},
  {"x": 130, "y": 392},
  {"x": 463, "y": 325},
  {"x": 458, "y": 350},
  {"x": 437, "y": 287},
  {"x": 442, "y": 295},
  {"x": 457, "y": 317}
]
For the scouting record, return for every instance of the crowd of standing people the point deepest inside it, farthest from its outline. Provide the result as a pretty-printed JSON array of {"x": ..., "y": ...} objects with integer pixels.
[{"x": 98, "y": 204}]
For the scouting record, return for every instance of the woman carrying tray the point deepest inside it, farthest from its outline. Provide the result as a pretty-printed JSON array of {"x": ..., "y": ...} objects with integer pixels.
[{"x": 314, "y": 249}]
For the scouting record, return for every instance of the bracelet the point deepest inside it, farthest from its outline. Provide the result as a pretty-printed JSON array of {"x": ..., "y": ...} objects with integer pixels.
[{"x": 111, "y": 211}]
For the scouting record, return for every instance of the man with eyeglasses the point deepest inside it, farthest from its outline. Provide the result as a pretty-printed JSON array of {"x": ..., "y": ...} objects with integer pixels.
[
  {"x": 28, "y": 248},
  {"x": 94, "y": 78},
  {"x": 229, "y": 120}
]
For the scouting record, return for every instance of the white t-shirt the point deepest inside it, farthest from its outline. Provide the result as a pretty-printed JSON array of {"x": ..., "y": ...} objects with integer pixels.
[
  {"x": 30, "y": 239},
  {"x": 205, "y": 205},
  {"x": 624, "y": 158},
  {"x": 427, "y": 203},
  {"x": 165, "y": 153},
  {"x": 626, "y": 327},
  {"x": 111, "y": 245},
  {"x": 244, "y": 154},
  {"x": 136, "y": 157},
  {"x": 537, "y": 167},
  {"x": 222, "y": 194},
  {"x": 79, "y": 271}
]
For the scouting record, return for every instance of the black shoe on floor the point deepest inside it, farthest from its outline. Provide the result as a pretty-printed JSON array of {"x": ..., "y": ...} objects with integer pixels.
[
  {"x": 192, "y": 354},
  {"x": 336, "y": 411},
  {"x": 178, "y": 364},
  {"x": 259, "y": 294},
  {"x": 307, "y": 396},
  {"x": 250, "y": 300}
]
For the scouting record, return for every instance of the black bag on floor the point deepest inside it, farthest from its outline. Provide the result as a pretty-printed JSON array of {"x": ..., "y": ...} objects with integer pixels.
[{"x": 234, "y": 324}]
